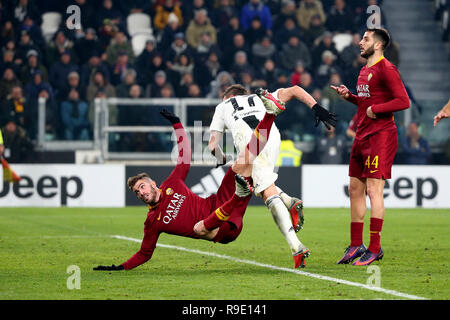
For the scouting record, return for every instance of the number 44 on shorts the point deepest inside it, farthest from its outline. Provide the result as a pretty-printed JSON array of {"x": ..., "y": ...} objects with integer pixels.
[{"x": 372, "y": 162}]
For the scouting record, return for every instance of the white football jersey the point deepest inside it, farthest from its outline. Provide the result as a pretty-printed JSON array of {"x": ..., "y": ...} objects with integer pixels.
[{"x": 239, "y": 114}]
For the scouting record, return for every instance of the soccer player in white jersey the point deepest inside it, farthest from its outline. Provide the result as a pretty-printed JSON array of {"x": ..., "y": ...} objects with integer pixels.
[{"x": 240, "y": 112}]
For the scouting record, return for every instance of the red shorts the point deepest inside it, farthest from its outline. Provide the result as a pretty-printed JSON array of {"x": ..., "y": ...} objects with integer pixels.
[
  {"x": 225, "y": 193},
  {"x": 373, "y": 156}
]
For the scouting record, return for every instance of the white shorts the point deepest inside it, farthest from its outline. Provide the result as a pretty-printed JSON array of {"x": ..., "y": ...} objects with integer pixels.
[{"x": 263, "y": 172}]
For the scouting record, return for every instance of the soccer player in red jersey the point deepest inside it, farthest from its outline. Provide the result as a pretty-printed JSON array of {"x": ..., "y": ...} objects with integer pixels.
[
  {"x": 175, "y": 209},
  {"x": 380, "y": 92}
]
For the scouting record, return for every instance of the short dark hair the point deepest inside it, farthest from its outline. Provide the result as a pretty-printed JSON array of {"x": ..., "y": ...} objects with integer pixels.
[
  {"x": 382, "y": 35},
  {"x": 132, "y": 180},
  {"x": 235, "y": 90}
]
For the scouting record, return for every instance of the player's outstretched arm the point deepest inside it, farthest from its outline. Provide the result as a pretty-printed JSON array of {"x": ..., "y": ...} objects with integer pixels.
[
  {"x": 183, "y": 144},
  {"x": 216, "y": 150},
  {"x": 320, "y": 113},
  {"x": 443, "y": 113}
]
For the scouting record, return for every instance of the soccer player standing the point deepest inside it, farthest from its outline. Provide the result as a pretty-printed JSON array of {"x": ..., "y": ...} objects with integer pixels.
[{"x": 380, "y": 92}]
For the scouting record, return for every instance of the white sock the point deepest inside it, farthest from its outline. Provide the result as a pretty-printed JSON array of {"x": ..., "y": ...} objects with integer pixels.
[
  {"x": 282, "y": 219},
  {"x": 284, "y": 197}
]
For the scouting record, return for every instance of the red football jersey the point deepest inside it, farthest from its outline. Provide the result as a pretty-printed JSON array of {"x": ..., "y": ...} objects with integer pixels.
[
  {"x": 178, "y": 210},
  {"x": 380, "y": 87}
]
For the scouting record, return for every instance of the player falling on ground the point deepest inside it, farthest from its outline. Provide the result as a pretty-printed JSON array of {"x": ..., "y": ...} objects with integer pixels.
[
  {"x": 240, "y": 112},
  {"x": 380, "y": 93},
  {"x": 175, "y": 209}
]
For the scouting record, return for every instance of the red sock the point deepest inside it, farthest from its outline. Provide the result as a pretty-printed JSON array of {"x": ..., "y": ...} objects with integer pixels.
[
  {"x": 261, "y": 134},
  {"x": 221, "y": 214},
  {"x": 375, "y": 234},
  {"x": 356, "y": 233}
]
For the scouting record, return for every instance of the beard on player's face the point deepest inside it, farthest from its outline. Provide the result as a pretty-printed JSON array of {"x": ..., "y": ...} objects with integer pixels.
[{"x": 366, "y": 53}]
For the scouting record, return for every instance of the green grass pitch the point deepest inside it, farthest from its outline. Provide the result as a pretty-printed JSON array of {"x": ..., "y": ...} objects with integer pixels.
[{"x": 39, "y": 244}]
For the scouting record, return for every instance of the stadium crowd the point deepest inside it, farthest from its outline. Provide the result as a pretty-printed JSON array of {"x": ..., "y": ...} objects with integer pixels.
[{"x": 198, "y": 48}]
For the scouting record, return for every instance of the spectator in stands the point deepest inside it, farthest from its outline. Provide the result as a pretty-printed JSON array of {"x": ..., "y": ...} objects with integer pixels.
[
  {"x": 415, "y": 148},
  {"x": 167, "y": 91},
  {"x": 60, "y": 70},
  {"x": 330, "y": 149},
  {"x": 326, "y": 69},
  {"x": 283, "y": 34},
  {"x": 16, "y": 140},
  {"x": 256, "y": 8},
  {"x": 178, "y": 47},
  {"x": 8, "y": 62},
  {"x": 88, "y": 19},
  {"x": 162, "y": 13},
  {"x": 24, "y": 45},
  {"x": 73, "y": 82},
  {"x": 268, "y": 73},
  {"x": 221, "y": 15},
  {"x": 33, "y": 88},
  {"x": 296, "y": 75},
  {"x": 316, "y": 29},
  {"x": 307, "y": 82},
  {"x": 129, "y": 79},
  {"x": 189, "y": 8},
  {"x": 106, "y": 32},
  {"x": 204, "y": 48},
  {"x": 239, "y": 44},
  {"x": 351, "y": 73},
  {"x": 255, "y": 32},
  {"x": 340, "y": 18},
  {"x": 392, "y": 52},
  {"x": 20, "y": 111},
  {"x": 8, "y": 81},
  {"x": 143, "y": 61},
  {"x": 182, "y": 65},
  {"x": 351, "y": 52},
  {"x": 89, "y": 69},
  {"x": 154, "y": 89},
  {"x": 263, "y": 50},
  {"x": 87, "y": 46},
  {"x": 57, "y": 47},
  {"x": 207, "y": 71},
  {"x": 109, "y": 12},
  {"x": 183, "y": 87},
  {"x": 222, "y": 81},
  {"x": 240, "y": 65},
  {"x": 99, "y": 87},
  {"x": 227, "y": 32},
  {"x": 287, "y": 11},
  {"x": 120, "y": 68},
  {"x": 293, "y": 52},
  {"x": 330, "y": 94},
  {"x": 199, "y": 25},
  {"x": 325, "y": 43},
  {"x": 75, "y": 117},
  {"x": 282, "y": 79},
  {"x": 194, "y": 91},
  {"x": 34, "y": 31},
  {"x": 172, "y": 28},
  {"x": 308, "y": 9},
  {"x": 33, "y": 65},
  {"x": 7, "y": 33},
  {"x": 132, "y": 115},
  {"x": 24, "y": 8},
  {"x": 119, "y": 44}
]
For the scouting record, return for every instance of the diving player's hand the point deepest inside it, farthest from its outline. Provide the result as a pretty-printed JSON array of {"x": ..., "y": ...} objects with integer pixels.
[
  {"x": 322, "y": 114},
  {"x": 170, "y": 116},
  {"x": 109, "y": 268}
]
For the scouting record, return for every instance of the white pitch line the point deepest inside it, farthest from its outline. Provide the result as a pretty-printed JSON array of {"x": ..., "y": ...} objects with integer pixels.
[{"x": 303, "y": 273}]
